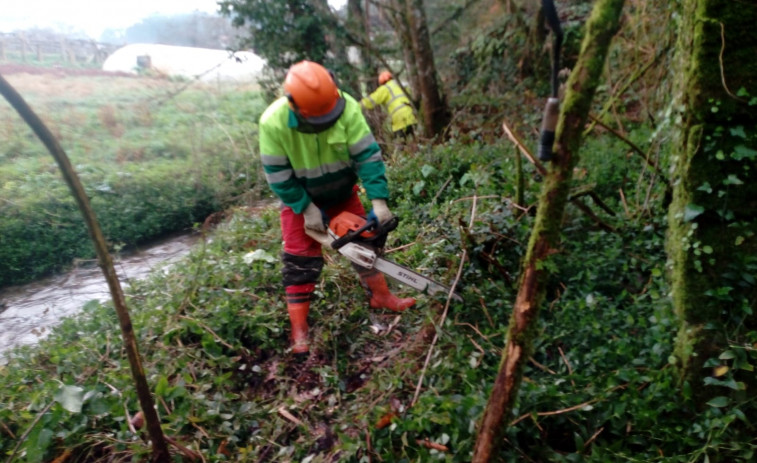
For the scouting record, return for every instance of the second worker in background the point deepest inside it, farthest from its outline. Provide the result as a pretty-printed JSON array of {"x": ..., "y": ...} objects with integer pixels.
[{"x": 397, "y": 105}]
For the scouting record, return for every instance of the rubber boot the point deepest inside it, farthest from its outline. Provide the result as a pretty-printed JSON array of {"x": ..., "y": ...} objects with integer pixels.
[
  {"x": 381, "y": 297},
  {"x": 298, "y": 317}
]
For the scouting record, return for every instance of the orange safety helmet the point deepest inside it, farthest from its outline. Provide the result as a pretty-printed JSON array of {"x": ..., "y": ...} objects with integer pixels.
[
  {"x": 384, "y": 77},
  {"x": 312, "y": 93}
]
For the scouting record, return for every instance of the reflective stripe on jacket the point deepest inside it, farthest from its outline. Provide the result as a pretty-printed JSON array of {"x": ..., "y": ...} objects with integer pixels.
[
  {"x": 397, "y": 104},
  {"x": 320, "y": 167}
]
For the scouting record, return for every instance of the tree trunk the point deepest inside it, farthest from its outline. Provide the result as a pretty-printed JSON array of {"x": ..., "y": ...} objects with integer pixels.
[
  {"x": 435, "y": 113},
  {"x": 545, "y": 237},
  {"x": 358, "y": 20},
  {"x": 396, "y": 16},
  {"x": 159, "y": 445},
  {"x": 712, "y": 237}
]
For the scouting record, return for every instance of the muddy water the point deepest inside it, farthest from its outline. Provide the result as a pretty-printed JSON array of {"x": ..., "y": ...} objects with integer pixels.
[{"x": 28, "y": 312}]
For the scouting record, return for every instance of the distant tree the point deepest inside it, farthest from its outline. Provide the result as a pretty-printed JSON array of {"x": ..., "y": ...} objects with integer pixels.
[
  {"x": 189, "y": 30},
  {"x": 282, "y": 32},
  {"x": 435, "y": 112}
]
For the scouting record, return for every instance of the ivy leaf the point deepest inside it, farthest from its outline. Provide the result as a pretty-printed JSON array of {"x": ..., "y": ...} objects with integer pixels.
[
  {"x": 258, "y": 254},
  {"x": 741, "y": 152},
  {"x": 732, "y": 180},
  {"x": 738, "y": 131},
  {"x": 719, "y": 402},
  {"x": 691, "y": 212},
  {"x": 427, "y": 170},
  {"x": 418, "y": 187},
  {"x": 705, "y": 187},
  {"x": 727, "y": 355},
  {"x": 70, "y": 397}
]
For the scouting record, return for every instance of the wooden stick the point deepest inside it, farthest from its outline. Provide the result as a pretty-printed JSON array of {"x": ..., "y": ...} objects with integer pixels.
[{"x": 514, "y": 138}]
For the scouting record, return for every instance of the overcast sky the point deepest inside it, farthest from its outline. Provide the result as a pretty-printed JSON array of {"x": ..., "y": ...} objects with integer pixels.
[{"x": 93, "y": 17}]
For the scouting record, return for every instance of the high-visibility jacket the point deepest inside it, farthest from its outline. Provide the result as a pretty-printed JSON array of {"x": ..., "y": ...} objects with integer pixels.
[
  {"x": 397, "y": 104},
  {"x": 320, "y": 167}
]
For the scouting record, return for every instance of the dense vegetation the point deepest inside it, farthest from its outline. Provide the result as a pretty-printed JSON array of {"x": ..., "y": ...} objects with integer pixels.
[{"x": 601, "y": 385}]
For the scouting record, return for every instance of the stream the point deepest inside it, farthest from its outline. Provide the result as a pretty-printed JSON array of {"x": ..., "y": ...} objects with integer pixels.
[{"x": 28, "y": 312}]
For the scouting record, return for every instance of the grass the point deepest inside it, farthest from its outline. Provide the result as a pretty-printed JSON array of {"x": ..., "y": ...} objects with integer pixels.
[{"x": 155, "y": 156}]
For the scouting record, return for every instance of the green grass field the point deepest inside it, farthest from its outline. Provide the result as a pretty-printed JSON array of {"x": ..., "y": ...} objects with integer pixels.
[{"x": 154, "y": 155}]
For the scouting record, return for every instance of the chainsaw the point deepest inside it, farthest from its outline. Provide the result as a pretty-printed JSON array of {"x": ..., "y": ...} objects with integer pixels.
[{"x": 356, "y": 238}]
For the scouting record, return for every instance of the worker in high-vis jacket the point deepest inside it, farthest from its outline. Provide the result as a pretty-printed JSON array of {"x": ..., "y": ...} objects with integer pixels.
[
  {"x": 397, "y": 104},
  {"x": 315, "y": 145}
]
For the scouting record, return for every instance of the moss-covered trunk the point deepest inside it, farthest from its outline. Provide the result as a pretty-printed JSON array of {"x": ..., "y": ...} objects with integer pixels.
[
  {"x": 712, "y": 222},
  {"x": 545, "y": 238}
]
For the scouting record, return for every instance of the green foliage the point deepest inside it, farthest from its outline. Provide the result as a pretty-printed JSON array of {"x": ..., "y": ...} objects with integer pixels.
[
  {"x": 282, "y": 33},
  {"x": 214, "y": 332}
]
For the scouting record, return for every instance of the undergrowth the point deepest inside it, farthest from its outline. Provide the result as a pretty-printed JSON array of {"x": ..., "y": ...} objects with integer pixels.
[{"x": 213, "y": 332}]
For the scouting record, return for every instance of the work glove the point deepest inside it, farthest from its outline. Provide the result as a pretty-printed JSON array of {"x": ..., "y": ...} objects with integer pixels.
[
  {"x": 314, "y": 226},
  {"x": 380, "y": 211},
  {"x": 313, "y": 219}
]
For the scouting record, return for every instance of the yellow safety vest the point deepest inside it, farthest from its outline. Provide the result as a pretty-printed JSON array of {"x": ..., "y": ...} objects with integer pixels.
[{"x": 397, "y": 104}]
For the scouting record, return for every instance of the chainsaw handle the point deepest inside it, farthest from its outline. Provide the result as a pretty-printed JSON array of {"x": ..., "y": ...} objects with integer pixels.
[
  {"x": 350, "y": 236},
  {"x": 381, "y": 230}
]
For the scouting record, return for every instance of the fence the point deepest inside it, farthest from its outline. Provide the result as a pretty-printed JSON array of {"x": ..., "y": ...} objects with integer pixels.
[{"x": 43, "y": 49}]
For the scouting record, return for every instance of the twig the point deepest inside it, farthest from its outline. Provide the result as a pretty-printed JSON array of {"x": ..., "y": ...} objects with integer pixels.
[
  {"x": 128, "y": 420},
  {"x": 209, "y": 330},
  {"x": 187, "y": 452},
  {"x": 28, "y": 431},
  {"x": 285, "y": 413},
  {"x": 5, "y": 428},
  {"x": 368, "y": 446},
  {"x": 433, "y": 201},
  {"x": 587, "y": 210},
  {"x": 486, "y": 312},
  {"x": 623, "y": 201},
  {"x": 399, "y": 248},
  {"x": 722, "y": 67},
  {"x": 555, "y": 412},
  {"x": 514, "y": 138},
  {"x": 475, "y": 198},
  {"x": 541, "y": 367},
  {"x": 630, "y": 144},
  {"x": 432, "y": 445},
  {"x": 593, "y": 437},
  {"x": 567, "y": 364},
  {"x": 474, "y": 329},
  {"x": 392, "y": 325}
]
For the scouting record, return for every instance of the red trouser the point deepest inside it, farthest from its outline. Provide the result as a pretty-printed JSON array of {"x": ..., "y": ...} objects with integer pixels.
[{"x": 302, "y": 258}]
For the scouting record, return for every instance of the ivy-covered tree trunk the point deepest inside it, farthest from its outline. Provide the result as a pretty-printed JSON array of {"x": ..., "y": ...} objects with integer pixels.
[
  {"x": 435, "y": 113},
  {"x": 712, "y": 240},
  {"x": 545, "y": 237}
]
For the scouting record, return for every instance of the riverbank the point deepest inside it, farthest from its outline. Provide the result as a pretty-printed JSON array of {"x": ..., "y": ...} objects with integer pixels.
[{"x": 31, "y": 310}]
